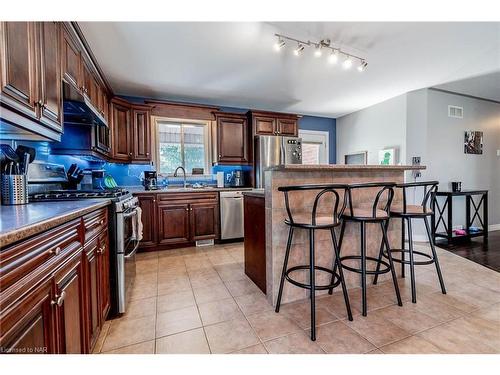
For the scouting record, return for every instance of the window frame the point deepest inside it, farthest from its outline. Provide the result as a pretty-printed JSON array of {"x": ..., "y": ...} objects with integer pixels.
[
  {"x": 320, "y": 135},
  {"x": 183, "y": 121}
]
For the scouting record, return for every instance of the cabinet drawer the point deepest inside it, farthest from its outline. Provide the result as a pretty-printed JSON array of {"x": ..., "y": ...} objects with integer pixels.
[
  {"x": 95, "y": 222},
  {"x": 48, "y": 248},
  {"x": 187, "y": 197}
]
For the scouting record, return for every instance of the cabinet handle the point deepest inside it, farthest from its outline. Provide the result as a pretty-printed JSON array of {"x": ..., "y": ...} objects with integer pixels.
[
  {"x": 39, "y": 103},
  {"x": 56, "y": 251},
  {"x": 101, "y": 250},
  {"x": 59, "y": 299},
  {"x": 220, "y": 155},
  {"x": 130, "y": 154},
  {"x": 101, "y": 222},
  {"x": 147, "y": 153},
  {"x": 187, "y": 209}
]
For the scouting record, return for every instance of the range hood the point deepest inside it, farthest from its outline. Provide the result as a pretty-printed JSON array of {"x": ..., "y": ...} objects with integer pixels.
[{"x": 78, "y": 109}]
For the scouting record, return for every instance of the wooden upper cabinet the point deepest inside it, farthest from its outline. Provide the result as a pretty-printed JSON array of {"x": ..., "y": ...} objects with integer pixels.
[
  {"x": 28, "y": 327},
  {"x": 141, "y": 133},
  {"x": 265, "y": 125},
  {"x": 287, "y": 127},
  {"x": 70, "y": 307},
  {"x": 18, "y": 66},
  {"x": 272, "y": 123},
  {"x": 71, "y": 60},
  {"x": 232, "y": 139},
  {"x": 120, "y": 133},
  {"x": 50, "y": 74}
]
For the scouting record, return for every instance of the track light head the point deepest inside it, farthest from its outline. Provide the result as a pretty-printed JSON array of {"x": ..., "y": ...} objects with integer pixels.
[
  {"x": 279, "y": 45},
  {"x": 297, "y": 51},
  {"x": 318, "y": 50},
  {"x": 362, "y": 66},
  {"x": 334, "y": 57},
  {"x": 347, "y": 64}
]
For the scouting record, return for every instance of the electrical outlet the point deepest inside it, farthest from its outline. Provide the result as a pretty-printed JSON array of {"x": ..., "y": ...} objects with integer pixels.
[
  {"x": 417, "y": 174},
  {"x": 415, "y": 160}
]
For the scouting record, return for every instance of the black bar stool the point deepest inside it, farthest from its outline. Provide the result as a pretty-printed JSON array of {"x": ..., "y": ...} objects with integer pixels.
[
  {"x": 313, "y": 222},
  {"x": 408, "y": 212},
  {"x": 363, "y": 216}
]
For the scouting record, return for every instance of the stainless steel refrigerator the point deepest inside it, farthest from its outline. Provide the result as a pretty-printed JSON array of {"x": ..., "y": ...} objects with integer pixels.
[{"x": 273, "y": 150}]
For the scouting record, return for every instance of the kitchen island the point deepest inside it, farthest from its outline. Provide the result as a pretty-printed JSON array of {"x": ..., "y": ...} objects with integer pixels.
[{"x": 277, "y": 231}]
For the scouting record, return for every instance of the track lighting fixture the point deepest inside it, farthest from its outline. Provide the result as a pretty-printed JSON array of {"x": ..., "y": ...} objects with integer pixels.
[
  {"x": 319, "y": 48},
  {"x": 279, "y": 45},
  {"x": 297, "y": 51}
]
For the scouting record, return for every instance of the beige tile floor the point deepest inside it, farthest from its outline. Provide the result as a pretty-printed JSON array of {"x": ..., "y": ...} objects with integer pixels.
[{"x": 199, "y": 300}]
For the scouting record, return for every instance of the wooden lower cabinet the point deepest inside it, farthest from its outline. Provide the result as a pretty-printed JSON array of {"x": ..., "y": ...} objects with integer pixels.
[
  {"x": 177, "y": 219},
  {"x": 69, "y": 306},
  {"x": 255, "y": 239},
  {"x": 60, "y": 304}
]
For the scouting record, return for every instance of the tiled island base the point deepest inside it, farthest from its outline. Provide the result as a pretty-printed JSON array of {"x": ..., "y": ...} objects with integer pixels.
[{"x": 198, "y": 301}]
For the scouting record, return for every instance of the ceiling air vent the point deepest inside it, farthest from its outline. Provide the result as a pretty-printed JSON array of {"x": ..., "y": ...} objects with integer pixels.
[{"x": 454, "y": 111}]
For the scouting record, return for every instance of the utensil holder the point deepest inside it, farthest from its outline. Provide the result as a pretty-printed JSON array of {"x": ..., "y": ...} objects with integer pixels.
[{"x": 14, "y": 189}]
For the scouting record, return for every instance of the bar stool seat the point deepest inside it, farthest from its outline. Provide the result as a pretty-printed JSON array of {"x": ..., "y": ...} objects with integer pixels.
[
  {"x": 359, "y": 213},
  {"x": 304, "y": 219},
  {"x": 312, "y": 221},
  {"x": 411, "y": 210}
]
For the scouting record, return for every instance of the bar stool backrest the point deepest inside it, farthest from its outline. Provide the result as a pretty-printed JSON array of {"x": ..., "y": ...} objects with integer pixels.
[
  {"x": 430, "y": 188},
  {"x": 323, "y": 189},
  {"x": 385, "y": 187}
]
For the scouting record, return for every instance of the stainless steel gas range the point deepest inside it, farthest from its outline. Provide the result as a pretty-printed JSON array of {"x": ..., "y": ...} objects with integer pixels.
[{"x": 46, "y": 183}]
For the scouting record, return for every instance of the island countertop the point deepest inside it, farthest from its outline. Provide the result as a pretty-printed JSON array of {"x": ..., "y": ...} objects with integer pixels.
[
  {"x": 344, "y": 167},
  {"x": 22, "y": 221}
]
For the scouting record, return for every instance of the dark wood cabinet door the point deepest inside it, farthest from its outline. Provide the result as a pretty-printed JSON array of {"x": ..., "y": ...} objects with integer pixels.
[
  {"x": 141, "y": 135},
  {"x": 105, "y": 106},
  {"x": 28, "y": 327},
  {"x": 232, "y": 140},
  {"x": 69, "y": 307},
  {"x": 104, "y": 282},
  {"x": 264, "y": 125},
  {"x": 148, "y": 206},
  {"x": 173, "y": 223},
  {"x": 287, "y": 127},
  {"x": 50, "y": 74},
  {"x": 18, "y": 66},
  {"x": 71, "y": 61},
  {"x": 204, "y": 220},
  {"x": 255, "y": 240},
  {"x": 92, "y": 291},
  {"x": 120, "y": 136},
  {"x": 86, "y": 79}
]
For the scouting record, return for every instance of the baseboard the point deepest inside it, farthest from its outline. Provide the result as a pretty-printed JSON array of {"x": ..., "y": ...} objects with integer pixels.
[{"x": 493, "y": 227}]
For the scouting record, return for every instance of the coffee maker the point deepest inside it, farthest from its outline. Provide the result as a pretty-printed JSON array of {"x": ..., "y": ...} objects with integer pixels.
[
  {"x": 237, "y": 179},
  {"x": 150, "y": 181}
]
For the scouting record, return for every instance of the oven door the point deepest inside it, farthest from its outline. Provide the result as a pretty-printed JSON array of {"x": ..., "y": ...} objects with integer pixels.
[{"x": 128, "y": 245}]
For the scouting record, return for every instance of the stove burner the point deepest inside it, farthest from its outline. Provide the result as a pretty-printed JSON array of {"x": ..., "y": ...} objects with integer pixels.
[{"x": 77, "y": 194}]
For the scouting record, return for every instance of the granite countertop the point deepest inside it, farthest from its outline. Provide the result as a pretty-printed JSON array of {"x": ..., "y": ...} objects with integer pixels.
[
  {"x": 22, "y": 221},
  {"x": 140, "y": 190},
  {"x": 255, "y": 193},
  {"x": 344, "y": 167}
]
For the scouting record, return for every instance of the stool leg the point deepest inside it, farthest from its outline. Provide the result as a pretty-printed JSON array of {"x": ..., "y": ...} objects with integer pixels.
[
  {"x": 342, "y": 229},
  {"x": 341, "y": 275},
  {"x": 412, "y": 263},
  {"x": 403, "y": 247},
  {"x": 285, "y": 265},
  {"x": 433, "y": 248},
  {"x": 391, "y": 263},
  {"x": 312, "y": 282},
  {"x": 363, "y": 266},
  {"x": 380, "y": 254}
]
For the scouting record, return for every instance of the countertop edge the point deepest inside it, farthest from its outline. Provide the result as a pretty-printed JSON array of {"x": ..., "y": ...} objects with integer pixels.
[
  {"x": 344, "y": 167},
  {"x": 259, "y": 193},
  {"x": 187, "y": 191},
  {"x": 21, "y": 233}
]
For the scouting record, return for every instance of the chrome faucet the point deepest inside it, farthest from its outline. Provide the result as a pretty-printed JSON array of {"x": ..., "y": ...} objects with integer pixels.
[{"x": 184, "y": 173}]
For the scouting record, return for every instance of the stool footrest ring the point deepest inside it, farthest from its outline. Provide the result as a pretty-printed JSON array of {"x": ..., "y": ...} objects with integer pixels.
[
  {"x": 335, "y": 283},
  {"x": 368, "y": 272},
  {"x": 417, "y": 262}
]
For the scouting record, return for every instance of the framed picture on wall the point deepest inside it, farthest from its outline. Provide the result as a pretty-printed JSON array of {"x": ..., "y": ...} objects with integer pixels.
[{"x": 473, "y": 142}]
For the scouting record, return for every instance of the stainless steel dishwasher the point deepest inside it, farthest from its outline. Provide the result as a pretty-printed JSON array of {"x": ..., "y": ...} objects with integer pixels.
[{"x": 231, "y": 214}]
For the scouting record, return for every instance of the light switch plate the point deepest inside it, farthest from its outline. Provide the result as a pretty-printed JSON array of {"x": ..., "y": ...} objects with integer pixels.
[
  {"x": 415, "y": 160},
  {"x": 498, "y": 152}
]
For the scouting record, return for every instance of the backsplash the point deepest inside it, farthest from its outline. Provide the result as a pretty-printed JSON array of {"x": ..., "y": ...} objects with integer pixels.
[{"x": 124, "y": 174}]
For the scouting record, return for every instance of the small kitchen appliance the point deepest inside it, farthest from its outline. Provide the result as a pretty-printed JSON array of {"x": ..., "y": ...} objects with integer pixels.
[
  {"x": 237, "y": 179},
  {"x": 150, "y": 180}
]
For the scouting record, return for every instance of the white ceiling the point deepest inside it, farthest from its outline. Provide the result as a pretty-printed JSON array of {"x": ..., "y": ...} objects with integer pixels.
[
  {"x": 234, "y": 64},
  {"x": 486, "y": 86}
]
